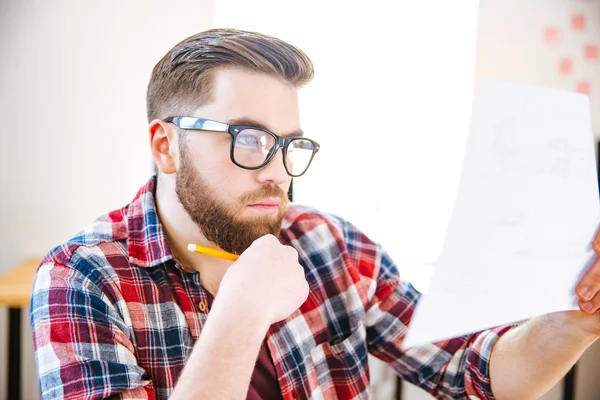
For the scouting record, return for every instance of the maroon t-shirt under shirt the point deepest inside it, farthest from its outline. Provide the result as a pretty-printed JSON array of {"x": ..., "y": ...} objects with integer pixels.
[{"x": 264, "y": 384}]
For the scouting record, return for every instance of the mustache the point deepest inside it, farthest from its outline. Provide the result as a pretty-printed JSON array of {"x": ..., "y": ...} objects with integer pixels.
[{"x": 265, "y": 191}]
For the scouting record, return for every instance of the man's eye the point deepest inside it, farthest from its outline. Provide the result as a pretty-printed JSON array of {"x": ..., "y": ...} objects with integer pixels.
[{"x": 248, "y": 140}]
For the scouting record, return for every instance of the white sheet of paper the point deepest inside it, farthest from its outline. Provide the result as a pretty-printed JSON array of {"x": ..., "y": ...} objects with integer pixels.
[{"x": 526, "y": 211}]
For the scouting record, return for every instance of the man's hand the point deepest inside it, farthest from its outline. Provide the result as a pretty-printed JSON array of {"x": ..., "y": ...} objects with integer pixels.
[
  {"x": 528, "y": 360},
  {"x": 588, "y": 291},
  {"x": 266, "y": 281},
  {"x": 265, "y": 285}
]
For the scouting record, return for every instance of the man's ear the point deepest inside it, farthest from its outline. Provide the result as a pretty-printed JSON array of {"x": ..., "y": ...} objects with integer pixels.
[{"x": 163, "y": 145}]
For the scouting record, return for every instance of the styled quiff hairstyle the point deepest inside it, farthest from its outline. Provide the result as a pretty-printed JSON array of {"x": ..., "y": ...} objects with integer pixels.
[{"x": 182, "y": 79}]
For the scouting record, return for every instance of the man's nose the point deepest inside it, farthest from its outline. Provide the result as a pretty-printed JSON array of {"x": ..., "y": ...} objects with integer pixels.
[{"x": 274, "y": 172}]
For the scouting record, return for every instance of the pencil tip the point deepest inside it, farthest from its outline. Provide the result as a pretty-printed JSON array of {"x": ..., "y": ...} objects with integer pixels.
[{"x": 191, "y": 247}]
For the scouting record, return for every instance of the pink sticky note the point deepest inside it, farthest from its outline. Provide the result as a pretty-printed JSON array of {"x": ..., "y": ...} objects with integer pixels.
[
  {"x": 591, "y": 51},
  {"x": 578, "y": 22},
  {"x": 565, "y": 66},
  {"x": 584, "y": 87},
  {"x": 550, "y": 34}
]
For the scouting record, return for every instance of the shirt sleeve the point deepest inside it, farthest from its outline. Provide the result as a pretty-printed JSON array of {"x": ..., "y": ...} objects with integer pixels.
[
  {"x": 450, "y": 369},
  {"x": 81, "y": 348}
]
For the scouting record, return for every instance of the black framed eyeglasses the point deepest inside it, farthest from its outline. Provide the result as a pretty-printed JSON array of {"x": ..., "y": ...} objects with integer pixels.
[{"x": 253, "y": 148}]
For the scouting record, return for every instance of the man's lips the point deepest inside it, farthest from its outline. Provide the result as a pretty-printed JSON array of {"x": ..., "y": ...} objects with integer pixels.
[{"x": 268, "y": 202}]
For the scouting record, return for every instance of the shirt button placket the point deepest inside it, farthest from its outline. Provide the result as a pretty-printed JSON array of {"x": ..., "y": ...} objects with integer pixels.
[{"x": 202, "y": 304}]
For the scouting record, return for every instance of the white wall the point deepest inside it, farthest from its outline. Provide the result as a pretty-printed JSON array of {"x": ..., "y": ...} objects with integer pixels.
[
  {"x": 512, "y": 46},
  {"x": 73, "y": 78}
]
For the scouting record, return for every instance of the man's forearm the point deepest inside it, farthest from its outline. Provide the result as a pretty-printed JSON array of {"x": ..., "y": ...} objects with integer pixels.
[
  {"x": 223, "y": 359},
  {"x": 530, "y": 359}
]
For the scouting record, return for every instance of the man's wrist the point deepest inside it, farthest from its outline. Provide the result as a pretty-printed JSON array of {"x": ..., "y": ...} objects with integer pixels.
[
  {"x": 574, "y": 326},
  {"x": 244, "y": 314}
]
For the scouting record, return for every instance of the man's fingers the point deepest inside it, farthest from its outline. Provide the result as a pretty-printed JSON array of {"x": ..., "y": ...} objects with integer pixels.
[
  {"x": 585, "y": 293},
  {"x": 590, "y": 284},
  {"x": 588, "y": 289},
  {"x": 590, "y": 306}
]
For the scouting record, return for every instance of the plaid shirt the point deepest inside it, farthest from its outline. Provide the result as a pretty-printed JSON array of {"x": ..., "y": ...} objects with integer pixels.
[{"x": 114, "y": 315}]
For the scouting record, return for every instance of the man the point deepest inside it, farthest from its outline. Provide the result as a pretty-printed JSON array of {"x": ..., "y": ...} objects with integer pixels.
[{"x": 124, "y": 310}]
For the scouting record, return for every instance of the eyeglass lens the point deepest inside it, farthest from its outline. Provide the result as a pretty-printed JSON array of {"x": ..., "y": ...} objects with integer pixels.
[{"x": 252, "y": 147}]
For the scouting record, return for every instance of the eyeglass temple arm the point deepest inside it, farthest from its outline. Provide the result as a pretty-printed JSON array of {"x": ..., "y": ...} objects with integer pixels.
[{"x": 198, "y": 124}]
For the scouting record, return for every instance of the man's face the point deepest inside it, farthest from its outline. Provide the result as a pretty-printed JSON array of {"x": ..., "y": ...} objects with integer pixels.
[{"x": 233, "y": 206}]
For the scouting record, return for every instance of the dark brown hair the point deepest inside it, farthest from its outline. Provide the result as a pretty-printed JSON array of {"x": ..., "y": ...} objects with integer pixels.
[{"x": 182, "y": 79}]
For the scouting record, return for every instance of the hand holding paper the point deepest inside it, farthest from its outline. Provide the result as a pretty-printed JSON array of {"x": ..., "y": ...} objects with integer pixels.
[{"x": 527, "y": 206}]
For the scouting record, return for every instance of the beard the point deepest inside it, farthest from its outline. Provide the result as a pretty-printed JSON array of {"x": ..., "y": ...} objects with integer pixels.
[{"x": 222, "y": 223}]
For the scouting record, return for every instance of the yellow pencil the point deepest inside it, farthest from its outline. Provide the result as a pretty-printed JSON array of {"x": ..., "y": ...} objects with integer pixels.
[{"x": 212, "y": 252}]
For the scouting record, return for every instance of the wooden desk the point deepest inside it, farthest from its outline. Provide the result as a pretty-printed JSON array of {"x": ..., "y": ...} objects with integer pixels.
[{"x": 15, "y": 291}]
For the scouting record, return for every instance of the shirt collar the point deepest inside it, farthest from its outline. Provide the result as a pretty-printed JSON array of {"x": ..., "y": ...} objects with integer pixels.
[{"x": 147, "y": 243}]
